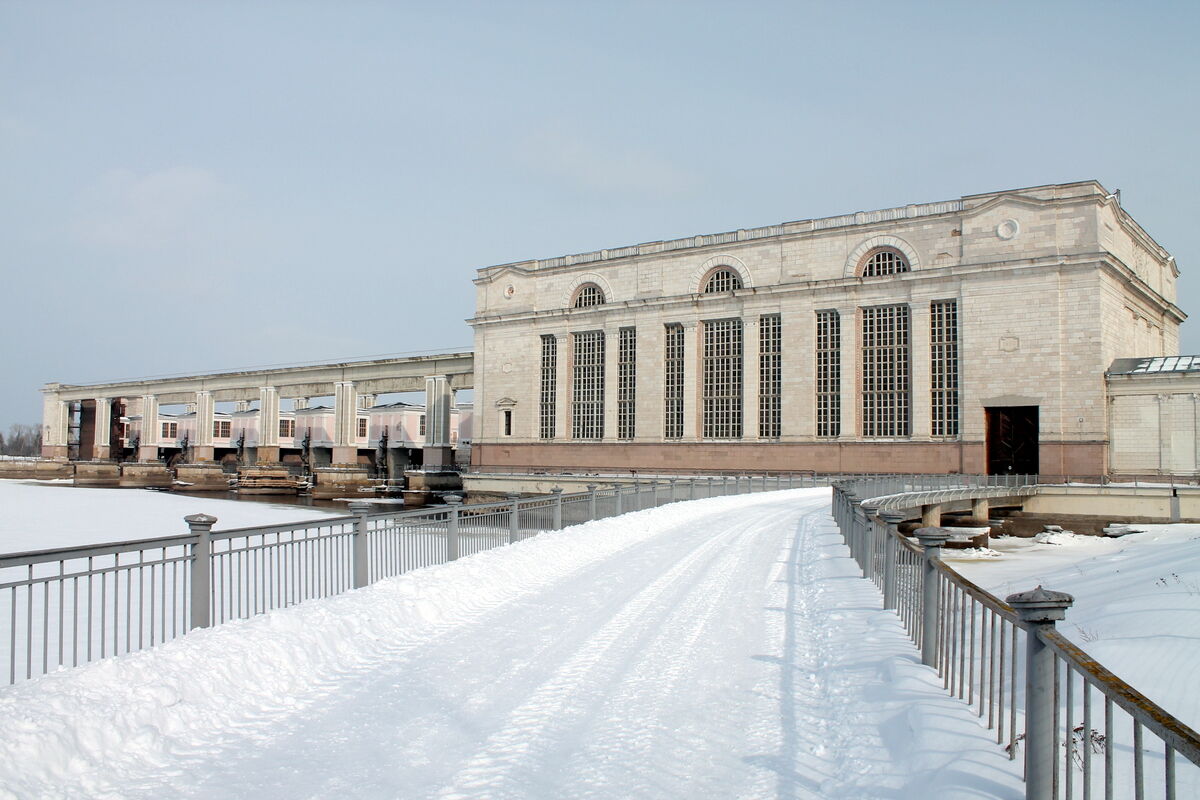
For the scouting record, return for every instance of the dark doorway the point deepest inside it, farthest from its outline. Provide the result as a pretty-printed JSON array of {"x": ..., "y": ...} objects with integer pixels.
[{"x": 1012, "y": 440}]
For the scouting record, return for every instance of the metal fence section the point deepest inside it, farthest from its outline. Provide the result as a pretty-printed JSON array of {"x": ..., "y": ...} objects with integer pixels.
[
  {"x": 69, "y": 606},
  {"x": 1081, "y": 731}
]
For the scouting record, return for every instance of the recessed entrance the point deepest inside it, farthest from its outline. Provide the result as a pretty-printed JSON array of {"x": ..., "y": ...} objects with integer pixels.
[{"x": 1012, "y": 440}]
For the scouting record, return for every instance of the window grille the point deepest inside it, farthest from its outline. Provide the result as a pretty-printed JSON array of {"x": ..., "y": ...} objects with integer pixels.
[
  {"x": 362, "y": 427},
  {"x": 943, "y": 359},
  {"x": 587, "y": 390},
  {"x": 287, "y": 427},
  {"x": 222, "y": 428},
  {"x": 829, "y": 373},
  {"x": 723, "y": 280},
  {"x": 885, "y": 371},
  {"x": 884, "y": 262},
  {"x": 421, "y": 426},
  {"x": 627, "y": 383},
  {"x": 722, "y": 379},
  {"x": 547, "y": 418},
  {"x": 673, "y": 385},
  {"x": 770, "y": 376},
  {"x": 588, "y": 295}
]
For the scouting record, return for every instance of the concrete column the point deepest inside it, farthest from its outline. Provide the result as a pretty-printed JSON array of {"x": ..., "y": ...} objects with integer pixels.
[
  {"x": 242, "y": 405},
  {"x": 102, "y": 441},
  {"x": 850, "y": 403},
  {"x": 980, "y": 509},
  {"x": 149, "y": 437},
  {"x": 438, "y": 454},
  {"x": 920, "y": 377},
  {"x": 931, "y": 516},
  {"x": 56, "y": 418},
  {"x": 1164, "y": 433},
  {"x": 562, "y": 389},
  {"x": 268, "y": 425},
  {"x": 612, "y": 351},
  {"x": 932, "y": 540},
  {"x": 650, "y": 381},
  {"x": 1038, "y": 610},
  {"x": 691, "y": 381},
  {"x": 751, "y": 337},
  {"x": 799, "y": 360},
  {"x": 299, "y": 402},
  {"x": 200, "y": 525},
  {"x": 366, "y": 400},
  {"x": 345, "y": 407},
  {"x": 202, "y": 445}
]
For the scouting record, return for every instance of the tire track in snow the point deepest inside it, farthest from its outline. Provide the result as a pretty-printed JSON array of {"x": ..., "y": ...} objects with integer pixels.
[{"x": 512, "y": 756}]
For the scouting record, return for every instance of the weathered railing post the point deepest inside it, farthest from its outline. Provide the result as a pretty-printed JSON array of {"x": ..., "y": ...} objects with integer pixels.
[
  {"x": 620, "y": 497},
  {"x": 932, "y": 540},
  {"x": 1038, "y": 610},
  {"x": 654, "y": 494},
  {"x": 591, "y": 487},
  {"x": 201, "y": 526},
  {"x": 557, "y": 492},
  {"x": 724, "y": 485},
  {"x": 453, "y": 501},
  {"x": 514, "y": 517},
  {"x": 890, "y": 553},
  {"x": 672, "y": 495},
  {"x": 358, "y": 542},
  {"x": 692, "y": 488}
]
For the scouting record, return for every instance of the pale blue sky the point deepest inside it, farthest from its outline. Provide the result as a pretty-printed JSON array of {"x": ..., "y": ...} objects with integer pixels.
[{"x": 185, "y": 181}]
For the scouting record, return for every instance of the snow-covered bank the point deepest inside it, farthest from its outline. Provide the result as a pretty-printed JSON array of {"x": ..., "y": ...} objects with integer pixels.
[
  {"x": 37, "y": 515},
  {"x": 1137, "y": 601},
  {"x": 716, "y": 648}
]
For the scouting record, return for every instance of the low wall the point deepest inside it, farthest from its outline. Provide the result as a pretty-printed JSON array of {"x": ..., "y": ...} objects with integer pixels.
[
  {"x": 1159, "y": 503},
  {"x": 36, "y": 469}
]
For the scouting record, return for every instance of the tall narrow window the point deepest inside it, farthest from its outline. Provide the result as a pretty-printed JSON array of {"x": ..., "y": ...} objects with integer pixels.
[
  {"x": 362, "y": 427},
  {"x": 829, "y": 373},
  {"x": 770, "y": 376},
  {"x": 547, "y": 420},
  {"x": 885, "y": 373},
  {"x": 508, "y": 422},
  {"x": 421, "y": 426},
  {"x": 722, "y": 379},
  {"x": 673, "y": 384},
  {"x": 587, "y": 386},
  {"x": 943, "y": 364},
  {"x": 627, "y": 383}
]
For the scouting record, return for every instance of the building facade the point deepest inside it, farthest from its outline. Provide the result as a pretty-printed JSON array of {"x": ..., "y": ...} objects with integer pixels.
[
  {"x": 971, "y": 335},
  {"x": 1154, "y": 416}
]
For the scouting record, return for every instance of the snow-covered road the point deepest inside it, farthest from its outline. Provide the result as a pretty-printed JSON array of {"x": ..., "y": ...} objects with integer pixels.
[{"x": 717, "y": 648}]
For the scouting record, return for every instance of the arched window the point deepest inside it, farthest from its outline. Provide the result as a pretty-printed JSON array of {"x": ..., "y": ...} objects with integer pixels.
[
  {"x": 883, "y": 261},
  {"x": 722, "y": 280},
  {"x": 588, "y": 295}
]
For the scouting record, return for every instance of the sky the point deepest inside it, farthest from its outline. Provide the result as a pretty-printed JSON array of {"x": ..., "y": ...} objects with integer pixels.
[{"x": 214, "y": 185}]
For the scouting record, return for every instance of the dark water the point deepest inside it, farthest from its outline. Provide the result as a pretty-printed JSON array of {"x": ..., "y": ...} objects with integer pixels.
[{"x": 273, "y": 499}]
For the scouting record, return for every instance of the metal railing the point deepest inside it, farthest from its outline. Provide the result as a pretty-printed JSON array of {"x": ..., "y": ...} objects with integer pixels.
[
  {"x": 68, "y": 606},
  {"x": 1081, "y": 730}
]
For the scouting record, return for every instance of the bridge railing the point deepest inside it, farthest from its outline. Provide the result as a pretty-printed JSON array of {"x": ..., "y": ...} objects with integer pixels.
[
  {"x": 68, "y": 606},
  {"x": 1080, "y": 729}
]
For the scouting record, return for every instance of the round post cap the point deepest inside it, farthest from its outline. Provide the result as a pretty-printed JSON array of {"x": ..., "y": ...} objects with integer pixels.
[
  {"x": 591, "y": 487},
  {"x": 931, "y": 537},
  {"x": 1041, "y": 605},
  {"x": 556, "y": 490},
  {"x": 453, "y": 499},
  {"x": 892, "y": 517},
  {"x": 359, "y": 506},
  {"x": 200, "y": 520}
]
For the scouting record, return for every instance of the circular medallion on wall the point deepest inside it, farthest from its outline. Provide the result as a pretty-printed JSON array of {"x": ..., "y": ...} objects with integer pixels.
[
  {"x": 507, "y": 367},
  {"x": 1008, "y": 229},
  {"x": 510, "y": 290}
]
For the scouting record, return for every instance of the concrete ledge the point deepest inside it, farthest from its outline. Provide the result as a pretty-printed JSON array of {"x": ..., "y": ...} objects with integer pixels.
[{"x": 41, "y": 469}]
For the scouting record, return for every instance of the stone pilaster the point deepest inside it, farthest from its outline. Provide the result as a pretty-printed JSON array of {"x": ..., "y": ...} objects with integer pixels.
[
  {"x": 345, "y": 416},
  {"x": 151, "y": 432},
  {"x": 268, "y": 425},
  {"x": 920, "y": 372},
  {"x": 751, "y": 337},
  {"x": 612, "y": 351},
  {"x": 691, "y": 380},
  {"x": 102, "y": 443},
  {"x": 437, "y": 422},
  {"x": 562, "y": 390},
  {"x": 56, "y": 418},
  {"x": 850, "y": 368},
  {"x": 202, "y": 445}
]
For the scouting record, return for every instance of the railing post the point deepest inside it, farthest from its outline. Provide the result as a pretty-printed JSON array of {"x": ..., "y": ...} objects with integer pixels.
[
  {"x": 514, "y": 517},
  {"x": 453, "y": 501},
  {"x": 620, "y": 499},
  {"x": 591, "y": 487},
  {"x": 672, "y": 482},
  {"x": 724, "y": 485},
  {"x": 1038, "y": 610},
  {"x": 932, "y": 540},
  {"x": 890, "y": 518},
  {"x": 358, "y": 542},
  {"x": 557, "y": 492},
  {"x": 868, "y": 541},
  {"x": 692, "y": 488},
  {"x": 201, "y": 526}
]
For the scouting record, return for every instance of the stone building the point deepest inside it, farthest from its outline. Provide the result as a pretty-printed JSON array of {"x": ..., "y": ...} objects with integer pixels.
[
  {"x": 1154, "y": 415},
  {"x": 969, "y": 335}
]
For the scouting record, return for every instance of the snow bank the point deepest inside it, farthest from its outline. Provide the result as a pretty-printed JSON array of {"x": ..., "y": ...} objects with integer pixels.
[
  {"x": 37, "y": 515},
  {"x": 1137, "y": 601}
]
